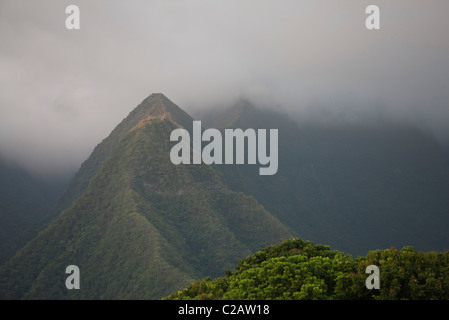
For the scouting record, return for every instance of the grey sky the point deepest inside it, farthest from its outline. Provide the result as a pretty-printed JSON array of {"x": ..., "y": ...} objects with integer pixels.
[{"x": 62, "y": 92}]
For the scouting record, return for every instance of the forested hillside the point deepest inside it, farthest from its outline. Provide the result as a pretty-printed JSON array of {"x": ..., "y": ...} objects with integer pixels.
[
  {"x": 298, "y": 269},
  {"x": 140, "y": 227},
  {"x": 144, "y": 227},
  {"x": 357, "y": 187}
]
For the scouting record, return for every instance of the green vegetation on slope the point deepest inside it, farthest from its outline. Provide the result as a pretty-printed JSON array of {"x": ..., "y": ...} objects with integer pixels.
[
  {"x": 143, "y": 228},
  {"x": 140, "y": 227},
  {"x": 154, "y": 105},
  {"x": 302, "y": 270}
]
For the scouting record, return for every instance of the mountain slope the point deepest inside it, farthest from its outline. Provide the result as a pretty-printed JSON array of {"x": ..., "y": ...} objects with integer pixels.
[
  {"x": 25, "y": 206},
  {"x": 154, "y": 105},
  {"x": 355, "y": 187},
  {"x": 143, "y": 227}
]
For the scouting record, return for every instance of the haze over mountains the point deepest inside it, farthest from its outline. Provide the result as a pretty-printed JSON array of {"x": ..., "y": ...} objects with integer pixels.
[
  {"x": 356, "y": 187},
  {"x": 140, "y": 227},
  {"x": 26, "y": 206},
  {"x": 316, "y": 59}
]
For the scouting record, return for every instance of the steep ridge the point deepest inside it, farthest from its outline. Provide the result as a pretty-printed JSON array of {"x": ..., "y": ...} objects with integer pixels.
[
  {"x": 143, "y": 227},
  {"x": 153, "y": 106}
]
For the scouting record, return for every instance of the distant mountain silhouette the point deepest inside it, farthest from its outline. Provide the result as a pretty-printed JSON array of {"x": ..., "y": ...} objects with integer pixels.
[{"x": 355, "y": 187}]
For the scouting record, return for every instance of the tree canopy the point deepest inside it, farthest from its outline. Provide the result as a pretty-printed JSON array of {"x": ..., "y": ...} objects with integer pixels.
[{"x": 301, "y": 270}]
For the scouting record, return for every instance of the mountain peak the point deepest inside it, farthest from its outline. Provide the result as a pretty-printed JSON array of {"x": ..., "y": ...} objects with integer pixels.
[
  {"x": 154, "y": 106},
  {"x": 242, "y": 110},
  {"x": 156, "y": 102},
  {"x": 139, "y": 226},
  {"x": 158, "y": 106}
]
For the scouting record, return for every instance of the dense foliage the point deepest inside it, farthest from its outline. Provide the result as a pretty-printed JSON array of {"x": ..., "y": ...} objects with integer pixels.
[
  {"x": 140, "y": 227},
  {"x": 144, "y": 227},
  {"x": 298, "y": 269}
]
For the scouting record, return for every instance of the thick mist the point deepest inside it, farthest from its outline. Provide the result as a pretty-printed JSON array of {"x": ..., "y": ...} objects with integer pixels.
[{"x": 63, "y": 91}]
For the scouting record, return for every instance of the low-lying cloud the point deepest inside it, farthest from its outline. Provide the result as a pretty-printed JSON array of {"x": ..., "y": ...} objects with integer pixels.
[{"x": 62, "y": 91}]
